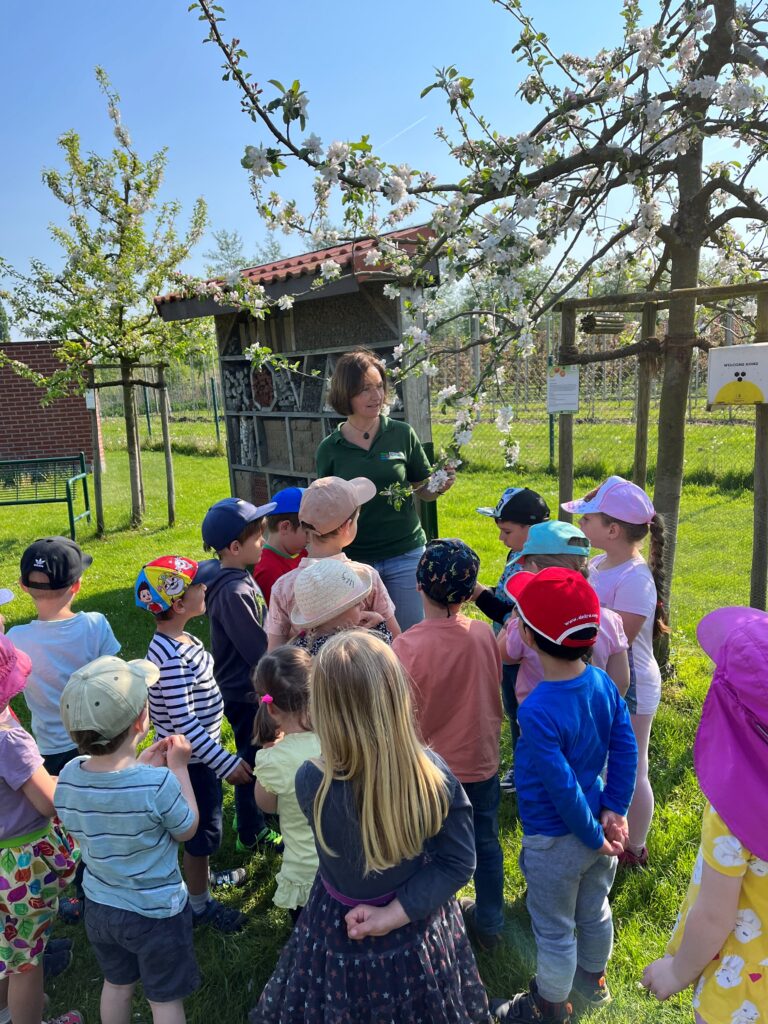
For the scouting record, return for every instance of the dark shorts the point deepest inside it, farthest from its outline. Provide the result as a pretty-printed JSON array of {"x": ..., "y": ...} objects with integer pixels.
[
  {"x": 207, "y": 788},
  {"x": 158, "y": 951},
  {"x": 53, "y": 763}
]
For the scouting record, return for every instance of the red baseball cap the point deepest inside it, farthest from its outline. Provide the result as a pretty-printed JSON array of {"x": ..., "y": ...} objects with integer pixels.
[{"x": 556, "y": 603}]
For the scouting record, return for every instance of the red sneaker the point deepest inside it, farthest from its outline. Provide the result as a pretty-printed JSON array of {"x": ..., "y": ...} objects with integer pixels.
[{"x": 634, "y": 861}]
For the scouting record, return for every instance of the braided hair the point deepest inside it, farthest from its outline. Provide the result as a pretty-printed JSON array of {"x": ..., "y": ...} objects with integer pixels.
[{"x": 637, "y": 532}]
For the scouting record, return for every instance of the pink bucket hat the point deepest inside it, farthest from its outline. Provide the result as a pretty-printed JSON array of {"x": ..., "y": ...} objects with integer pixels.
[
  {"x": 731, "y": 749},
  {"x": 618, "y": 498},
  {"x": 15, "y": 667}
]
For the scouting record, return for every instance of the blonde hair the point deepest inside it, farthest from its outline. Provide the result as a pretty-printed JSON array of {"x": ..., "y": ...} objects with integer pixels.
[{"x": 360, "y": 704}]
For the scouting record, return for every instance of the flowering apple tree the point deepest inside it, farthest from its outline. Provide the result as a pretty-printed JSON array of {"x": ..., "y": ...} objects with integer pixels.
[{"x": 645, "y": 151}]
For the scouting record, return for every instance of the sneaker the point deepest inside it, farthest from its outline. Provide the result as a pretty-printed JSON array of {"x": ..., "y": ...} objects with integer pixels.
[
  {"x": 71, "y": 1017},
  {"x": 56, "y": 962},
  {"x": 223, "y": 919},
  {"x": 267, "y": 841},
  {"x": 70, "y": 910},
  {"x": 485, "y": 940},
  {"x": 634, "y": 861},
  {"x": 227, "y": 878},
  {"x": 507, "y": 782},
  {"x": 531, "y": 1008},
  {"x": 588, "y": 993}
]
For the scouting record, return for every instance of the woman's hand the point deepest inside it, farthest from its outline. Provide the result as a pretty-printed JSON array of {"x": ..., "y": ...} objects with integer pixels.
[
  {"x": 364, "y": 920},
  {"x": 660, "y": 978}
]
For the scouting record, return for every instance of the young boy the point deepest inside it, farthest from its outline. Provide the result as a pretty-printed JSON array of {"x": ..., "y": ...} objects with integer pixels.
[
  {"x": 59, "y": 641},
  {"x": 455, "y": 668},
  {"x": 236, "y": 609},
  {"x": 285, "y": 541},
  {"x": 185, "y": 699},
  {"x": 128, "y": 813},
  {"x": 328, "y": 511},
  {"x": 516, "y": 511},
  {"x": 573, "y": 826}
]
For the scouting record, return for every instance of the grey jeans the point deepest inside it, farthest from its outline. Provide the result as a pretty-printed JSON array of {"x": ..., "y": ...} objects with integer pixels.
[{"x": 568, "y": 886}]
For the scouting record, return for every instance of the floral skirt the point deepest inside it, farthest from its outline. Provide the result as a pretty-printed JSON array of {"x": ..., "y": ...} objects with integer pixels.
[
  {"x": 31, "y": 877},
  {"x": 424, "y": 971}
]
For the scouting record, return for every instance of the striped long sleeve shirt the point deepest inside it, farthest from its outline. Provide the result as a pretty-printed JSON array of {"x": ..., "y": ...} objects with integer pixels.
[{"x": 187, "y": 700}]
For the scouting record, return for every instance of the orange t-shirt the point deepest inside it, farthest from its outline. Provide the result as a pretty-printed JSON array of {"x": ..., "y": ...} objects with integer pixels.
[{"x": 455, "y": 669}]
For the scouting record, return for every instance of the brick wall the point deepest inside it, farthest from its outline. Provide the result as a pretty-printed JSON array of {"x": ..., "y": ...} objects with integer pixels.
[{"x": 30, "y": 430}]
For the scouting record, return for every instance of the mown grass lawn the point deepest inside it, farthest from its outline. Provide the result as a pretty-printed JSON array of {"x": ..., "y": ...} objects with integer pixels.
[{"x": 712, "y": 570}]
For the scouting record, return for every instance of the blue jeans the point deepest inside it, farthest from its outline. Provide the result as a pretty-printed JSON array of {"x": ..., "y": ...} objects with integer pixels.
[
  {"x": 568, "y": 887},
  {"x": 250, "y": 821},
  {"x": 489, "y": 873},
  {"x": 399, "y": 576},
  {"x": 509, "y": 700}
]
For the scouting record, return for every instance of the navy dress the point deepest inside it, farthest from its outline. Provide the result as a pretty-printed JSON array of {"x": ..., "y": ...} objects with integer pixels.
[{"x": 421, "y": 973}]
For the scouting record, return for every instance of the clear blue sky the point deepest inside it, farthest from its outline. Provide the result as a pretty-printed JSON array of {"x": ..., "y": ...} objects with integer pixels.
[{"x": 363, "y": 65}]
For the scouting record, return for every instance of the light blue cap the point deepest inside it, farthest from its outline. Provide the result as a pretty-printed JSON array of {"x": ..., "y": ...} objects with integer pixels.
[{"x": 554, "y": 538}]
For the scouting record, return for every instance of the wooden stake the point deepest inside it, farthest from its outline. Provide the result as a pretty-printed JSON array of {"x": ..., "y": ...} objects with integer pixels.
[
  {"x": 169, "y": 481},
  {"x": 98, "y": 493},
  {"x": 759, "y": 576},
  {"x": 644, "y": 376}
]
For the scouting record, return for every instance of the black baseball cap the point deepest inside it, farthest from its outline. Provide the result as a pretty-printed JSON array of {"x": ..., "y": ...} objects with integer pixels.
[
  {"x": 61, "y": 559},
  {"x": 518, "y": 505}
]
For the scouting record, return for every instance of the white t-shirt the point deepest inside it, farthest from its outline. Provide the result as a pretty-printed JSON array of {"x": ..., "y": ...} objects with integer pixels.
[
  {"x": 57, "y": 649},
  {"x": 629, "y": 587}
]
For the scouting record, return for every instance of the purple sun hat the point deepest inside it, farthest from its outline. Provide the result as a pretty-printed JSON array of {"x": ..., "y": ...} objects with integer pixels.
[{"x": 731, "y": 749}]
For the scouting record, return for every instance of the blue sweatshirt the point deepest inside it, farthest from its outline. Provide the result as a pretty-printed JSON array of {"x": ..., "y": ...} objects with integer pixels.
[{"x": 567, "y": 730}]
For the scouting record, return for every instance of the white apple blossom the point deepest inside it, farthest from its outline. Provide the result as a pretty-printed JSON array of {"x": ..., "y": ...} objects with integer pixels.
[
  {"x": 257, "y": 161},
  {"x": 504, "y": 417},
  {"x": 330, "y": 270},
  {"x": 430, "y": 369},
  {"x": 285, "y": 302},
  {"x": 391, "y": 291},
  {"x": 395, "y": 189},
  {"x": 462, "y": 437},
  {"x": 446, "y": 393},
  {"x": 313, "y": 145}
]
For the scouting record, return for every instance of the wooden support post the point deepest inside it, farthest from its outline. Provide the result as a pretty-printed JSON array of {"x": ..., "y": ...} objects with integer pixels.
[
  {"x": 169, "y": 481},
  {"x": 643, "y": 409},
  {"x": 98, "y": 492},
  {"x": 565, "y": 420},
  {"x": 759, "y": 576}
]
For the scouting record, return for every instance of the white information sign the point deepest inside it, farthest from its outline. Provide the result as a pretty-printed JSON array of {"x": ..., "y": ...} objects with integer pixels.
[
  {"x": 90, "y": 399},
  {"x": 562, "y": 389},
  {"x": 737, "y": 375}
]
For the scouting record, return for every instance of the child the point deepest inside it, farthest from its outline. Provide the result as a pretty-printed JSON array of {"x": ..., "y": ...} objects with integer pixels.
[
  {"x": 616, "y": 518},
  {"x": 38, "y": 857},
  {"x": 236, "y": 611},
  {"x": 6, "y": 596},
  {"x": 329, "y": 597},
  {"x": 559, "y": 544},
  {"x": 453, "y": 664},
  {"x": 185, "y": 699},
  {"x": 720, "y": 936},
  {"x": 516, "y": 511},
  {"x": 284, "y": 732},
  {"x": 329, "y": 510},
  {"x": 128, "y": 813},
  {"x": 285, "y": 542},
  {"x": 59, "y": 641},
  {"x": 572, "y": 826},
  {"x": 381, "y": 933}
]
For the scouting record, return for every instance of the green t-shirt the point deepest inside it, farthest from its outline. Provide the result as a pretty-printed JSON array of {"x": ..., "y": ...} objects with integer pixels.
[{"x": 396, "y": 456}]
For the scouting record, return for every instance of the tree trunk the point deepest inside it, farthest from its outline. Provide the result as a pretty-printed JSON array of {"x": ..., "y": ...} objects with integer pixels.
[
  {"x": 678, "y": 350},
  {"x": 131, "y": 434},
  {"x": 136, "y": 421}
]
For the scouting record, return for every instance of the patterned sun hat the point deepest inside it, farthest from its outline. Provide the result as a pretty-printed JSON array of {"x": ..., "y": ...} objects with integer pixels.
[
  {"x": 447, "y": 571},
  {"x": 164, "y": 581}
]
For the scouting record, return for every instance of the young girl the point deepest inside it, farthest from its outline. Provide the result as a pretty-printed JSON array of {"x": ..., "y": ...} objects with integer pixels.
[
  {"x": 328, "y": 598},
  {"x": 559, "y": 544},
  {"x": 616, "y": 518},
  {"x": 37, "y": 857},
  {"x": 381, "y": 937},
  {"x": 721, "y": 935},
  {"x": 283, "y": 731}
]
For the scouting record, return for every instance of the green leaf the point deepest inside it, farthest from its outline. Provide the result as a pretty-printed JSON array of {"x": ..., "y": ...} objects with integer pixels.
[
  {"x": 428, "y": 89},
  {"x": 277, "y": 85}
]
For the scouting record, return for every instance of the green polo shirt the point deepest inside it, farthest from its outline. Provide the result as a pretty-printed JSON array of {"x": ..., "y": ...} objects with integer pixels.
[{"x": 396, "y": 456}]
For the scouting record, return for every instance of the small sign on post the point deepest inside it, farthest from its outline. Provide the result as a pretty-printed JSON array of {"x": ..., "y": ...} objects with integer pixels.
[
  {"x": 90, "y": 399},
  {"x": 562, "y": 389},
  {"x": 737, "y": 375}
]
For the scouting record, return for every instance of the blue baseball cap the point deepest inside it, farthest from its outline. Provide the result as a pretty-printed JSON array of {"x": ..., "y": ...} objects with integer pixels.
[
  {"x": 518, "y": 505},
  {"x": 554, "y": 538},
  {"x": 226, "y": 520},
  {"x": 287, "y": 501}
]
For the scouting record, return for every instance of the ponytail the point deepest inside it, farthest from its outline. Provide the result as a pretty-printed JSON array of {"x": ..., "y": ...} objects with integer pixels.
[{"x": 656, "y": 565}]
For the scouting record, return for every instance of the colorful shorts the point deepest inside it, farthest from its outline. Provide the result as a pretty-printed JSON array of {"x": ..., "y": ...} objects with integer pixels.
[{"x": 32, "y": 875}]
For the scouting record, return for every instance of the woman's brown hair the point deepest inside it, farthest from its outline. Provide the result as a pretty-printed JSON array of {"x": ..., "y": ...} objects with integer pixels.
[{"x": 348, "y": 377}]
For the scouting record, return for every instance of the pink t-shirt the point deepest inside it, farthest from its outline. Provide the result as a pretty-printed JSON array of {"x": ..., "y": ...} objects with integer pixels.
[
  {"x": 281, "y": 602},
  {"x": 455, "y": 668},
  {"x": 610, "y": 640}
]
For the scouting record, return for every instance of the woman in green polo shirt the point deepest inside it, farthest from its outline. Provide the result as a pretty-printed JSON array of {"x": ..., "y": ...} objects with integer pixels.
[{"x": 386, "y": 451}]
